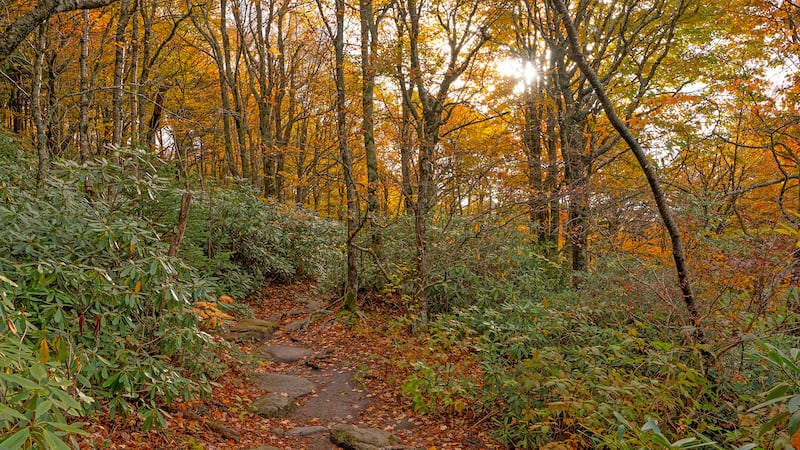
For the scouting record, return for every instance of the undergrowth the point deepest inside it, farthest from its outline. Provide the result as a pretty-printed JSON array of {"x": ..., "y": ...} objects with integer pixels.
[
  {"x": 94, "y": 314},
  {"x": 609, "y": 365}
]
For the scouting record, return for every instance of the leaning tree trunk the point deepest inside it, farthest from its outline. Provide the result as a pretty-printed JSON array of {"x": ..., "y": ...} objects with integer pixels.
[{"x": 646, "y": 166}]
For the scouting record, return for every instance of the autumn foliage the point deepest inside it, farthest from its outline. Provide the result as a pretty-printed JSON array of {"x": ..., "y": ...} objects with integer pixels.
[{"x": 445, "y": 161}]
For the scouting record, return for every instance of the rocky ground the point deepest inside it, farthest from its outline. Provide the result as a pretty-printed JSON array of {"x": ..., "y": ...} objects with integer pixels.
[{"x": 306, "y": 378}]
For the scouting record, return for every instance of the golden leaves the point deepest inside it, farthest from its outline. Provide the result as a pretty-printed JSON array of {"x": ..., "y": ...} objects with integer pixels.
[{"x": 211, "y": 317}]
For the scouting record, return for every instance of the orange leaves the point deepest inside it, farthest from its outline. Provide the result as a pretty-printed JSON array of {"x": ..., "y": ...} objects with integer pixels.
[
  {"x": 209, "y": 313},
  {"x": 796, "y": 440}
]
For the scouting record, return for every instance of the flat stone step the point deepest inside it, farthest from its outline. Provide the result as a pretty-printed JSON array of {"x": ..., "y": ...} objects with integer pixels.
[
  {"x": 306, "y": 431},
  {"x": 282, "y": 391},
  {"x": 290, "y": 385},
  {"x": 351, "y": 437},
  {"x": 250, "y": 330},
  {"x": 285, "y": 353},
  {"x": 273, "y": 405}
]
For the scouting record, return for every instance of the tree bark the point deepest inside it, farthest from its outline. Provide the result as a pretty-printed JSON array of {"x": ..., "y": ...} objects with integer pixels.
[
  {"x": 136, "y": 138},
  {"x": 154, "y": 123},
  {"x": 83, "y": 127},
  {"x": 351, "y": 286},
  {"x": 180, "y": 226},
  {"x": 233, "y": 86},
  {"x": 532, "y": 141},
  {"x": 119, "y": 72},
  {"x": 462, "y": 51},
  {"x": 36, "y": 106},
  {"x": 369, "y": 44},
  {"x": 209, "y": 35}
]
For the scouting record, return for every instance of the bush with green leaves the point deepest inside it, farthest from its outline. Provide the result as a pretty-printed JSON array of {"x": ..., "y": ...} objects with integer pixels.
[
  {"x": 559, "y": 368},
  {"x": 92, "y": 308},
  {"x": 244, "y": 242},
  {"x": 473, "y": 261}
]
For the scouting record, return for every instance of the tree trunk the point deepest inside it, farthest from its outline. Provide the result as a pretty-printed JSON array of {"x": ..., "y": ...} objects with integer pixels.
[
  {"x": 83, "y": 128},
  {"x": 551, "y": 182},
  {"x": 154, "y": 124},
  {"x": 664, "y": 210},
  {"x": 431, "y": 120},
  {"x": 180, "y": 226},
  {"x": 233, "y": 86},
  {"x": 52, "y": 120},
  {"x": 36, "y": 107},
  {"x": 351, "y": 286},
  {"x": 573, "y": 144},
  {"x": 405, "y": 161},
  {"x": 301, "y": 191},
  {"x": 209, "y": 35},
  {"x": 532, "y": 142},
  {"x": 136, "y": 138},
  {"x": 369, "y": 44},
  {"x": 119, "y": 73}
]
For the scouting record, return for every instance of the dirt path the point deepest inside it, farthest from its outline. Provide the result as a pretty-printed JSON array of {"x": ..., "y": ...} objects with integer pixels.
[
  {"x": 354, "y": 371},
  {"x": 311, "y": 344}
]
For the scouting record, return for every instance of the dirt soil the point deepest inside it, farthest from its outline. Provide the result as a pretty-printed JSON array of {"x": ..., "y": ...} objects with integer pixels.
[{"x": 358, "y": 366}]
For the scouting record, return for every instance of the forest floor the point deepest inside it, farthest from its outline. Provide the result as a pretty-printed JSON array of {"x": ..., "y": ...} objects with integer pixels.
[{"x": 358, "y": 366}]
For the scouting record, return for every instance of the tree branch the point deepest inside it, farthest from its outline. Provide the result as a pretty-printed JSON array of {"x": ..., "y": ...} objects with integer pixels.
[{"x": 15, "y": 33}]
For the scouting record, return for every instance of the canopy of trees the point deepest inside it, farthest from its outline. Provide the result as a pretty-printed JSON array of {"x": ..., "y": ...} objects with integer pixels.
[{"x": 483, "y": 116}]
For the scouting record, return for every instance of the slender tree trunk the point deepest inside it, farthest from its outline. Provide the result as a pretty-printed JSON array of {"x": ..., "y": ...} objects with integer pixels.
[
  {"x": 369, "y": 43},
  {"x": 119, "y": 72},
  {"x": 180, "y": 226},
  {"x": 351, "y": 286},
  {"x": 551, "y": 181},
  {"x": 36, "y": 106},
  {"x": 136, "y": 138},
  {"x": 405, "y": 142},
  {"x": 431, "y": 120},
  {"x": 52, "y": 120},
  {"x": 301, "y": 191},
  {"x": 154, "y": 124},
  {"x": 532, "y": 141},
  {"x": 405, "y": 161},
  {"x": 202, "y": 23},
  {"x": 83, "y": 128},
  {"x": 573, "y": 144},
  {"x": 147, "y": 13},
  {"x": 233, "y": 86}
]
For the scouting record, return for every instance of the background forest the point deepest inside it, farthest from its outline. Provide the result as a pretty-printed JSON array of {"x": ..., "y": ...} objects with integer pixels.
[{"x": 446, "y": 157}]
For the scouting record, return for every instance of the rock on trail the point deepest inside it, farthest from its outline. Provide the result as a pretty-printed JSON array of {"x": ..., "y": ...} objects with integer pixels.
[
  {"x": 333, "y": 397},
  {"x": 285, "y": 353},
  {"x": 282, "y": 391}
]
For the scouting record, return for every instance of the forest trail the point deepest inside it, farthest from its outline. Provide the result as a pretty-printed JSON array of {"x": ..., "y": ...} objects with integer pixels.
[
  {"x": 327, "y": 371},
  {"x": 348, "y": 371},
  {"x": 311, "y": 385}
]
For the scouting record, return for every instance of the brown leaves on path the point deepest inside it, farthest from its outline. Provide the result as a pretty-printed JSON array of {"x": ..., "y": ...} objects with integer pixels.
[{"x": 368, "y": 354}]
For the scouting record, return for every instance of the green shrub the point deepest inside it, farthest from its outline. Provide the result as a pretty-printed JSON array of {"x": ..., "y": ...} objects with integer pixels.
[
  {"x": 473, "y": 262},
  {"x": 558, "y": 368},
  {"x": 92, "y": 308},
  {"x": 244, "y": 242}
]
